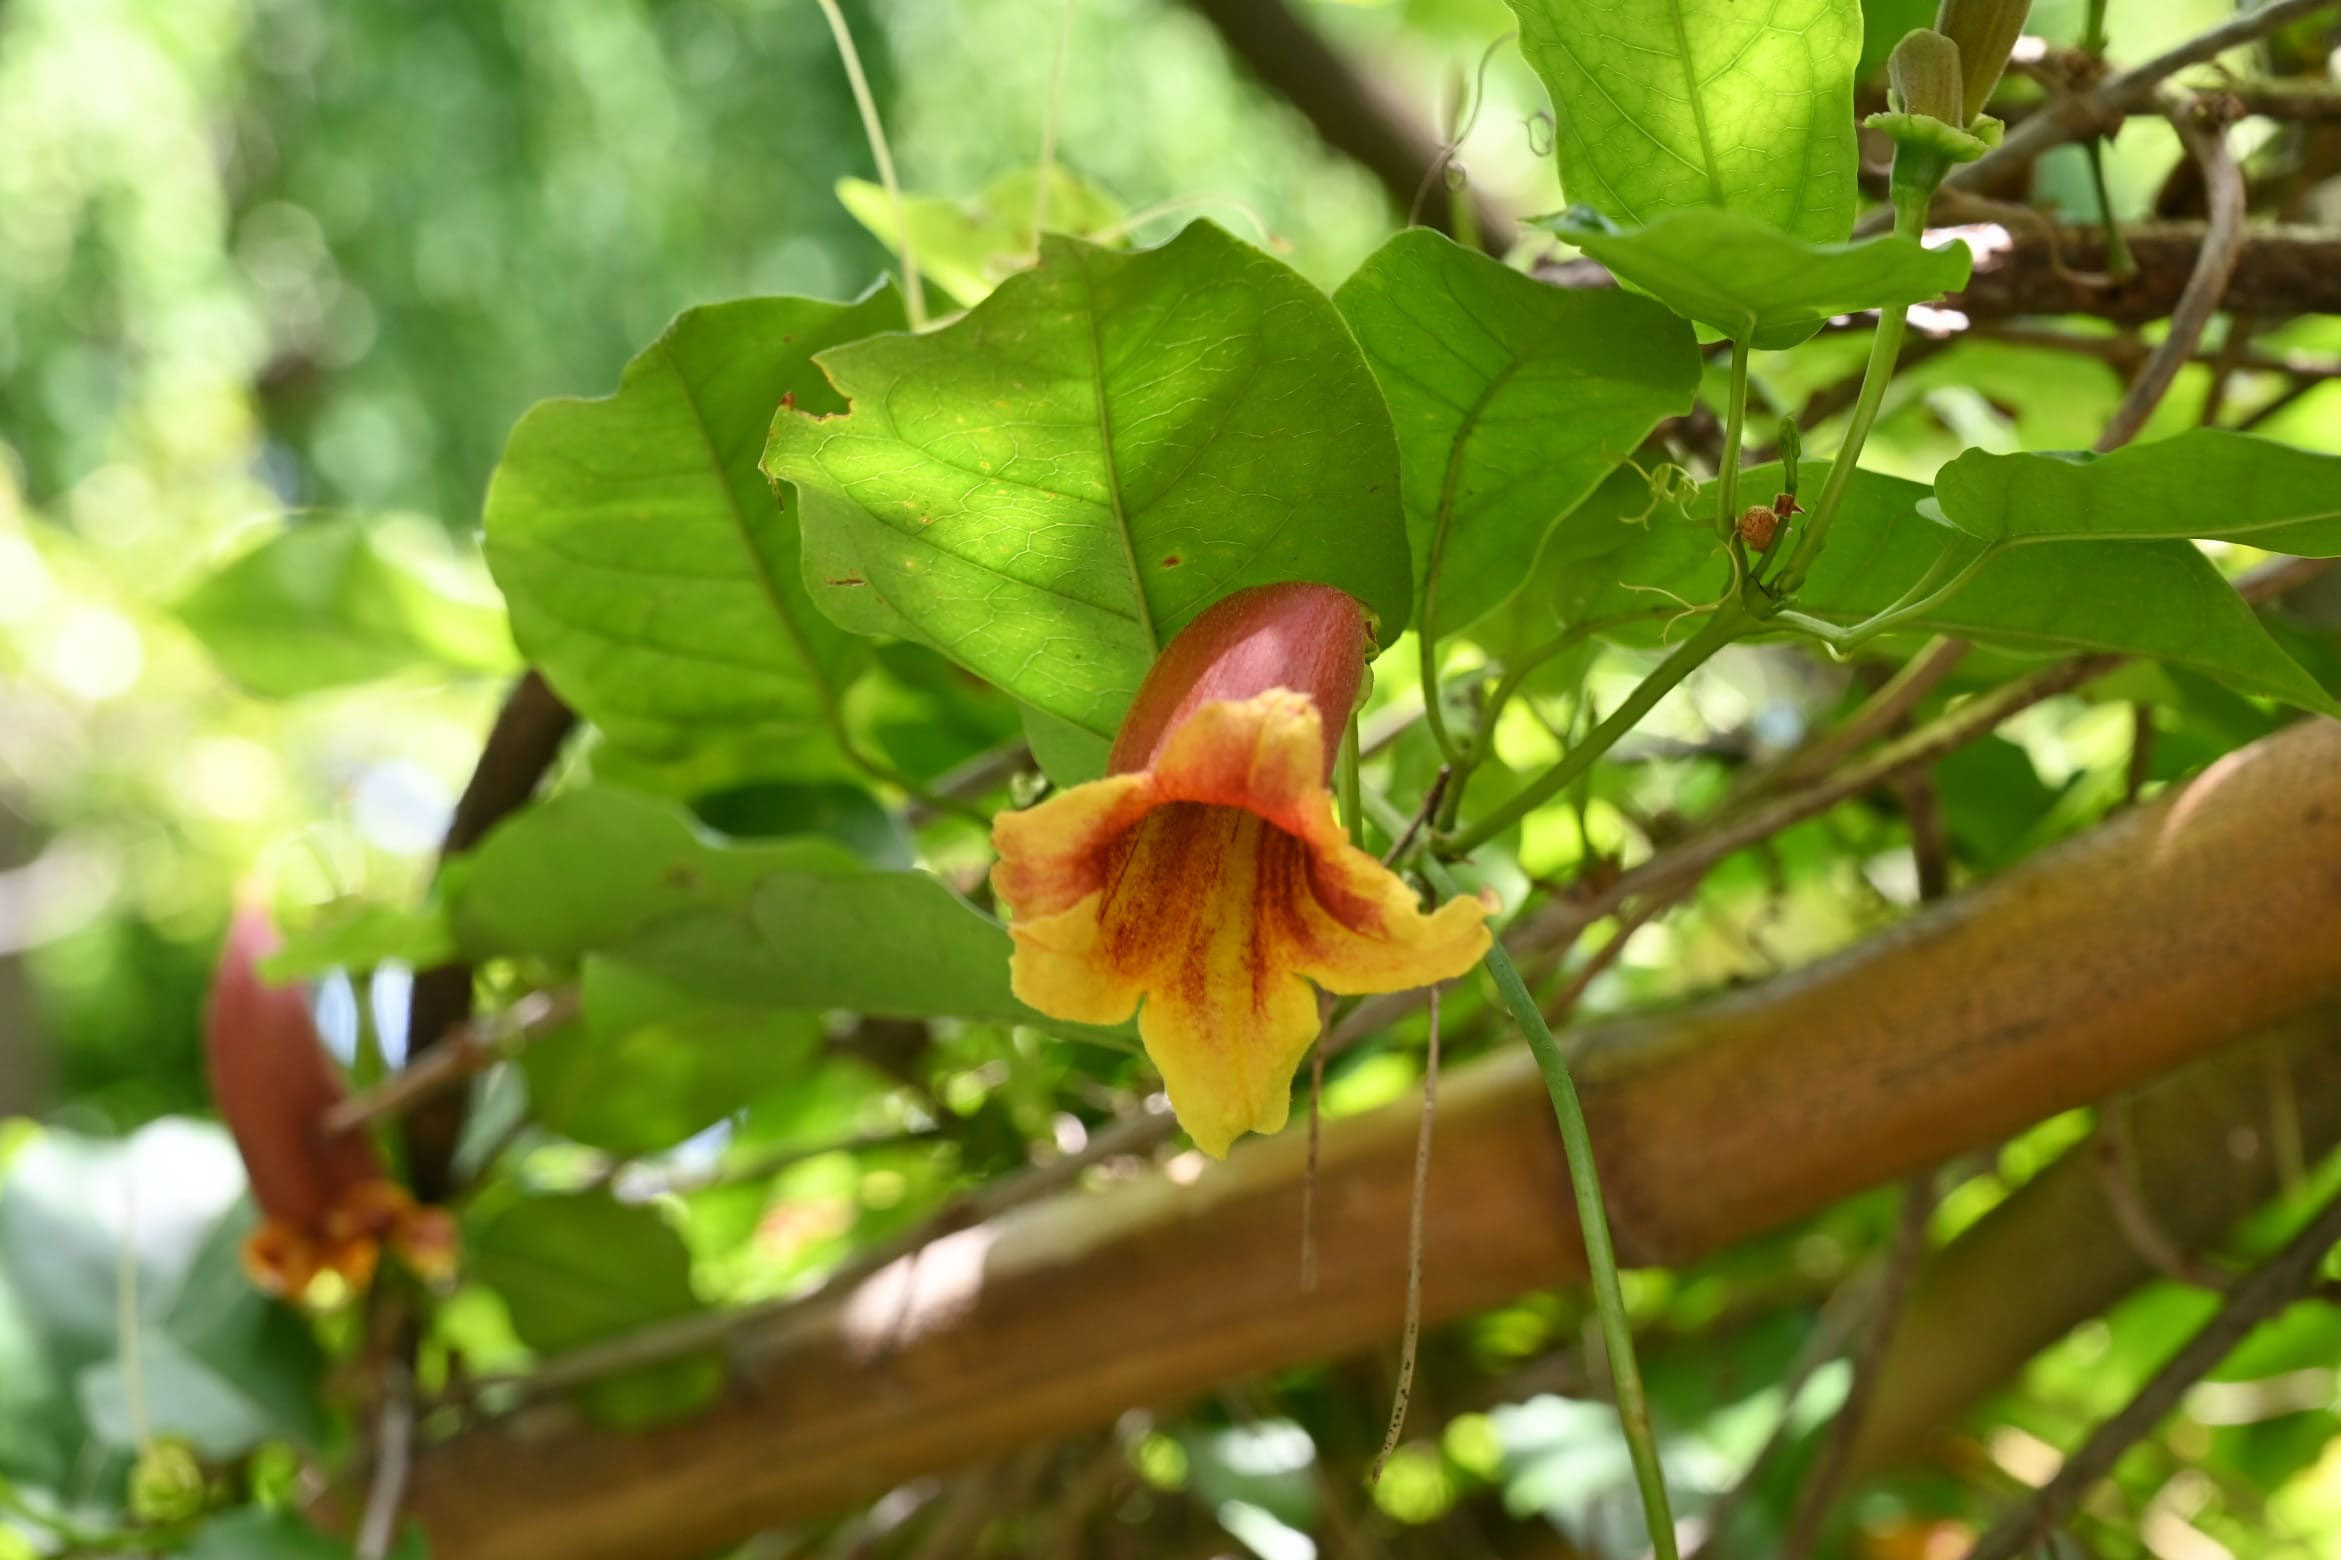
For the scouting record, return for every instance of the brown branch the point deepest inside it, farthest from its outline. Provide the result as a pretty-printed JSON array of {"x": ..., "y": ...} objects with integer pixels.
[
  {"x": 2200, "y": 1163},
  {"x": 520, "y": 749},
  {"x": 2205, "y": 136},
  {"x": 2288, "y": 1276},
  {"x": 466, "y": 1050},
  {"x": 2279, "y": 272},
  {"x": 2211, "y": 910},
  {"x": 2116, "y": 1158},
  {"x": 1353, "y": 114},
  {"x": 2085, "y": 113}
]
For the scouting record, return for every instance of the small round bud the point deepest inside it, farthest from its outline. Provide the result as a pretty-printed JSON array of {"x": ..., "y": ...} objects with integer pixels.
[
  {"x": 166, "y": 1483},
  {"x": 1759, "y": 524}
]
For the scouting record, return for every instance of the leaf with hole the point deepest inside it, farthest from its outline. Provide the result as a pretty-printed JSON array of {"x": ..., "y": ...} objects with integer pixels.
[
  {"x": 652, "y": 574},
  {"x": 1048, "y": 489},
  {"x": 1663, "y": 104},
  {"x": 1751, "y": 282},
  {"x": 1511, "y": 400}
]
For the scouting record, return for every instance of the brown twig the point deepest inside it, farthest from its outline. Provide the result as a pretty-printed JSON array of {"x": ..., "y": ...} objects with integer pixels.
[
  {"x": 521, "y": 747},
  {"x": 2084, "y": 113},
  {"x": 2205, "y": 135},
  {"x": 2289, "y": 1275},
  {"x": 394, "y": 1447},
  {"x": 469, "y": 1048},
  {"x": 2117, "y": 1170},
  {"x": 1884, "y": 710}
]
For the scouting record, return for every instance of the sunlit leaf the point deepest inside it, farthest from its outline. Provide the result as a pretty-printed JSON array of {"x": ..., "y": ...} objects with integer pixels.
[
  {"x": 1670, "y": 103},
  {"x": 1753, "y": 283},
  {"x": 968, "y": 247},
  {"x": 339, "y": 599},
  {"x": 1048, "y": 489},
  {"x": 651, "y": 571},
  {"x": 1511, "y": 400},
  {"x": 2208, "y": 482}
]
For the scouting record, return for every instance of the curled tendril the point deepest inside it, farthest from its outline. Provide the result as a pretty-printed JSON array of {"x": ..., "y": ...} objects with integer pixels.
[{"x": 1543, "y": 134}]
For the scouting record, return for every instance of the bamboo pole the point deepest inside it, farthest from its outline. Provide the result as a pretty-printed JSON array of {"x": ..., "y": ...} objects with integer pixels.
[{"x": 2090, "y": 968}]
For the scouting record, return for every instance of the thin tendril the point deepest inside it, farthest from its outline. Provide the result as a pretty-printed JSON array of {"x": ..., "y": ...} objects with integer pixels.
[{"x": 914, "y": 296}]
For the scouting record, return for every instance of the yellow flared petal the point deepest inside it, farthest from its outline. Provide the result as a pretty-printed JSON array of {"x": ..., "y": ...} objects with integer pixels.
[
  {"x": 1055, "y": 855},
  {"x": 1223, "y": 1024},
  {"x": 1354, "y": 927},
  {"x": 1056, "y": 968}
]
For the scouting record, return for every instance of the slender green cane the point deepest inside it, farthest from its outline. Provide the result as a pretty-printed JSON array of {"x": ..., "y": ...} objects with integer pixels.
[
  {"x": 1601, "y": 1258},
  {"x": 1735, "y": 418}
]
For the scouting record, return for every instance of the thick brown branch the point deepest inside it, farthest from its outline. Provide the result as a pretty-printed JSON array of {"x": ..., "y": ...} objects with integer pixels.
[{"x": 2195, "y": 918}]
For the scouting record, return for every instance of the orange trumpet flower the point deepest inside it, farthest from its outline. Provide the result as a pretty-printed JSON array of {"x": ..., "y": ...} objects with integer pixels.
[
  {"x": 1207, "y": 873},
  {"x": 327, "y": 1204}
]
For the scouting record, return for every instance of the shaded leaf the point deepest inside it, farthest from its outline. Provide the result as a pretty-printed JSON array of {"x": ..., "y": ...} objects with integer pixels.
[
  {"x": 2208, "y": 482},
  {"x": 2157, "y": 599},
  {"x": 798, "y": 923},
  {"x": 652, "y": 573},
  {"x": 359, "y": 934},
  {"x": 1754, "y": 283},
  {"x": 252, "y": 1533},
  {"x": 1048, "y": 489},
  {"x": 575, "y": 1269},
  {"x": 968, "y": 247},
  {"x": 338, "y": 599},
  {"x": 652, "y": 1063},
  {"x": 1663, "y": 104},
  {"x": 1511, "y": 400}
]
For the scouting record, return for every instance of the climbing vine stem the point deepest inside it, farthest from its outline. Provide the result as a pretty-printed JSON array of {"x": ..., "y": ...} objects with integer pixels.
[{"x": 1601, "y": 1258}]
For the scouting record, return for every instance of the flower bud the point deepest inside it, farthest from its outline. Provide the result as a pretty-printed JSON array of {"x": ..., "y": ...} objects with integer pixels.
[
  {"x": 1312, "y": 639},
  {"x": 1922, "y": 77},
  {"x": 1985, "y": 32},
  {"x": 327, "y": 1203}
]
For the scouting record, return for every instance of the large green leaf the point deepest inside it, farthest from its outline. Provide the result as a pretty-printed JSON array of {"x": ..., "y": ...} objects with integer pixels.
[
  {"x": 2159, "y": 599},
  {"x": 576, "y": 1269},
  {"x": 1754, "y": 283},
  {"x": 1048, "y": 489},
  {"x": 652, "y": 1063},
  {"x": 339, "y": 599},
  {"x": 1511, "y": 400},
  {"x": 2208, "y": 482},
  {"x": 798, "y": 923},
  {"x": 1670, "y": 103},
  {"x": 651, "y": 572}
]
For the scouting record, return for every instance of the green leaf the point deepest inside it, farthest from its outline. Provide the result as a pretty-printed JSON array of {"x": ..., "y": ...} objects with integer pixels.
[
  {"x": 2208, "y": 482},
  {"x": 338, "y": 599},
  {"x": 654, "y": 1062},
  {"x": 1511, "y": 400},
  {"x": 220, "y": 1363},
  {"x": 1754, "y": 283},
  {"x": 651, "y": 572},
  {"x": 798, "y": 923},
  {"x": 359, "y": 934},
  {"x": 254, "y": 1534},
  {"x": 1663, "y": 104},
  {"x": 576, "y": 1269},
  {"x": 2162, "y": 600},
  {"x": 969, "y": 247},
  {"x": 1050, "y": 488}
]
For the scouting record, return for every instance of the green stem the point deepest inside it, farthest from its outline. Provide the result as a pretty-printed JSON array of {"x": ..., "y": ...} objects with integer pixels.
[
  {"x": 1727, "y": 623},
  {"x": 1915, "y": 179},
  {"x": 1601, "y": 1258},
  {"x": 1735, "y": 417},
  {"x": 914, "y": 295}
]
